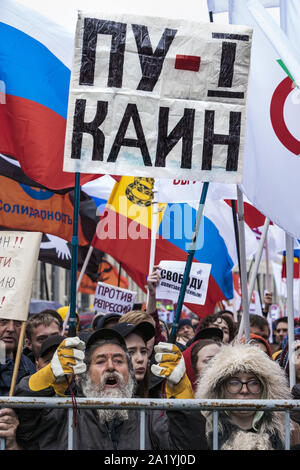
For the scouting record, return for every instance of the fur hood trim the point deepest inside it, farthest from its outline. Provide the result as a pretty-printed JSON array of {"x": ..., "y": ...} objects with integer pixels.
[{"x": 246, "y": 358}]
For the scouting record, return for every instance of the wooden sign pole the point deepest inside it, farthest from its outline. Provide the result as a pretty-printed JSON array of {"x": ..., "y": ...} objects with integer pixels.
[{"x": 17, "y": 359}]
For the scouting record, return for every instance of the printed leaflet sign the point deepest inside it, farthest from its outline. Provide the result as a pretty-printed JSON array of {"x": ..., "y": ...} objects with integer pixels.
[
  {"x": 172, "y": 278},
  {"x": 112, "y": 299}
]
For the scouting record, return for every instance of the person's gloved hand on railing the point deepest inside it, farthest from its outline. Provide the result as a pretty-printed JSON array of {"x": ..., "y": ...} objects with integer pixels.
[
  {"x": 67, "y": 360},
  {"x": 171, "y": 366}
]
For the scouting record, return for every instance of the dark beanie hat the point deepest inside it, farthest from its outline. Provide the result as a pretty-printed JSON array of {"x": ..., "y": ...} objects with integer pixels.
[{"x": 185, "y": 321}]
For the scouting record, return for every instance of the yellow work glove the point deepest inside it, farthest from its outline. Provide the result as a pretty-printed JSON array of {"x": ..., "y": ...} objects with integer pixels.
[
  {"x": 171, "y": 366},
  {"x": 67, "y": 360}
]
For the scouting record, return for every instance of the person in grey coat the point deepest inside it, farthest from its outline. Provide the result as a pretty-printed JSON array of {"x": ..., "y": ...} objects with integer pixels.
[{"x": 104, "y": 371}]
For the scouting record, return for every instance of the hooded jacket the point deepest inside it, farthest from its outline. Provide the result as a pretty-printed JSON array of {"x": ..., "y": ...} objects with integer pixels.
[{"x": 269, "y": 431}]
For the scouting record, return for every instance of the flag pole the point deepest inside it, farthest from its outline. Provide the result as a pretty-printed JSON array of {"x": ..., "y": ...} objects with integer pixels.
[
  {"x": 83, "y": 269},
  {"x": 17, "y": 359},
  {"x": 154, "y": 220},
  {"x": 268, "y": 283},
  {"x": 72, "y": 321},
  {"x": 290, "y": 306},
  {"x": 299, "y": 287},
  {"x": 244, "y": 324},
  {"x": 154, "y": 216},
  {"x": 258, "y": 257},
  {"x": 236, "y": 233},
  {"x": 119, "y": 274},
  {"x": 188, "y": 264}
]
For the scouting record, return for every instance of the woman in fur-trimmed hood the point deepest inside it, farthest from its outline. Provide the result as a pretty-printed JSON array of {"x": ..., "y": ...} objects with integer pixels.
[{"x": 243, "y": 371}]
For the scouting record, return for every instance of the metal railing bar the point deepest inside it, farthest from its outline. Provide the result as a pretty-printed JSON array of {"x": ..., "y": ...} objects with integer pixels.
[
  {"x": 287, "y": 431},
  {"x": 152, "y": 404},
  {"x": 144, "y": 403},
  {"x": 142, "y": 429},
  {"x": 215, "y": 430},
  {"x": 70, "y": 429}
]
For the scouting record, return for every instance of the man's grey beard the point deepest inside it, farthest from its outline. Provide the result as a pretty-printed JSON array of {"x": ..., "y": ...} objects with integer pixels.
[{"x": 124, "y": 390}]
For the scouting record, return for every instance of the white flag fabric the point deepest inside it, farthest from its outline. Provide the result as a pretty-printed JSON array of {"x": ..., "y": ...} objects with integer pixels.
[
  {"x": 216, "y": 210},
  {"x": 176, "y": 190},
  {"x": 283, "y": 47},
  {"x": 271, "y": 160},
  {"x": 221, "y": 6},
  {"x": 220, "y": 214},
  {"x": 282, "y": 289},
  {"x": 290, "y": 20}
]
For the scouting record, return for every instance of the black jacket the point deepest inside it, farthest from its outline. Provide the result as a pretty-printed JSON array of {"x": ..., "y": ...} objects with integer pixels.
[
  {"x": 47, "y": 429},
  {"x": 26, "y": 368},
  {"x": 187, "y": 430}
]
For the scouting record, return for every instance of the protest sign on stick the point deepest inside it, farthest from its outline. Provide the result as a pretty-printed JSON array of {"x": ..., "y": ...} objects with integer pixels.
[
  {"x": 157, "y": 97},
  {"x": 113, "y": 299},
  {"x": 154, "y": 97},
  {"x": 172, "y": 278},
  {"x": 18, "y": 257}
]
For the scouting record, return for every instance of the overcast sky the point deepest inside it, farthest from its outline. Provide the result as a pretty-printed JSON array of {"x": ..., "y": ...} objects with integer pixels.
[{"x": 64, "y": 12}]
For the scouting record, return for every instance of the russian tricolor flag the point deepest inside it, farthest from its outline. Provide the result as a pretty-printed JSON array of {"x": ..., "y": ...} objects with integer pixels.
[
  {"x": 211, "y": 249},
  {"x": 35, "y": 62},
  {"x": 124, "y": 232}
]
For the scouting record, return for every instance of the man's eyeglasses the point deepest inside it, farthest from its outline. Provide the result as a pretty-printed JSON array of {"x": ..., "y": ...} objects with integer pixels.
[{"x": 234, "y": 386}]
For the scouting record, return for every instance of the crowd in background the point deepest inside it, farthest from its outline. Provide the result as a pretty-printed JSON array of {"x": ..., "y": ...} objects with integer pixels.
[{"x": 132, "y": 356}]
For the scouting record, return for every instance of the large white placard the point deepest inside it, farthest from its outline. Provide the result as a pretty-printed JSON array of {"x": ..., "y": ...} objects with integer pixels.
[
  {"x": 172, "y": 278},
  {"x": 112, "y": 299},
  {"x": 157, "y": 97},
  {"x": 18, "y": 257}
]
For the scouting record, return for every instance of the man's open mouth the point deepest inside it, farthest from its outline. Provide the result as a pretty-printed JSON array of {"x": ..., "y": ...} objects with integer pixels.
[{"x": 111, "y": 382}]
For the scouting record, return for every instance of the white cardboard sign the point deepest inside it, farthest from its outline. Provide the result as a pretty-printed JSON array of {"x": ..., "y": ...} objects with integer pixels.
[
  {"x": 18, "y": 257},
  {"x": 157, "y": 97},
  {"x": 172, "y": 278},
  {"x": 112, "y": 299}
]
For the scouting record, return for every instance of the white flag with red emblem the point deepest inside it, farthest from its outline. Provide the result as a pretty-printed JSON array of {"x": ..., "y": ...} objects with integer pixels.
[{"x": 271, "y": 161}]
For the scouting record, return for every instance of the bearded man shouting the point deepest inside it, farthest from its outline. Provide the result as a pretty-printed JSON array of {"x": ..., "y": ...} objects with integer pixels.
[{"x": 103, "y": 370}]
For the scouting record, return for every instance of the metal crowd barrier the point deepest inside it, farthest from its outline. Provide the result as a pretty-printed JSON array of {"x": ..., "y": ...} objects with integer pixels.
[{"x": 144, "y": 404}]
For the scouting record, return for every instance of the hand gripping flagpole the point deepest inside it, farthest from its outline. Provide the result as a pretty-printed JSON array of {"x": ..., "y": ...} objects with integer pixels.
[
  {"x": 72, "y": 321},
  {"x": 188, "y": 264}
]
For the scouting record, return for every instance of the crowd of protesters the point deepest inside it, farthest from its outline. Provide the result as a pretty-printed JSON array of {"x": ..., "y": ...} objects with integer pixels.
[{"x": 131, "y": 356}]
